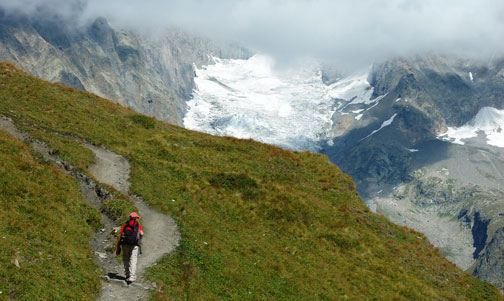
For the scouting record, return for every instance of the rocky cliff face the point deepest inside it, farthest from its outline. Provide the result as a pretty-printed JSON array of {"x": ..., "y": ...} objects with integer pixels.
[
  {"x": 447, "y": 89},
  {"x": 151, "y": 74},
  {"x": 489, "y": 268},
  {"x": 452, "y": 190},
  {"x": 428, "y": 94}
]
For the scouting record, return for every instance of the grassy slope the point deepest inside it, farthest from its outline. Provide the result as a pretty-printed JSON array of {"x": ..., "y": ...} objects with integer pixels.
[
  {"x": 257, "y": 222},
  {"x": 45, "y": 227}
]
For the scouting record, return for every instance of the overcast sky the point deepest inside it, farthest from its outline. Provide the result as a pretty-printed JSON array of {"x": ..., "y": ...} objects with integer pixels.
[{"x": 341, "y": 30}]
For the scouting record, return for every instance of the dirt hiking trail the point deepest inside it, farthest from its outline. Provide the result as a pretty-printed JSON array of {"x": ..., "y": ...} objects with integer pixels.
[{"x": 161, "y": 234}]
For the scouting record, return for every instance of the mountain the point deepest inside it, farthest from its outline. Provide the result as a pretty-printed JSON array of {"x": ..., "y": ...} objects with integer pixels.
[
  {"x": 437, "y": 166},
  {"x": 150, "y": 73},
  {"x": 419, "y": 135},
  {"x": 256, "y": 221},
  {"x": 489, "y": 122},
  {"x": 428, "y": 94}
]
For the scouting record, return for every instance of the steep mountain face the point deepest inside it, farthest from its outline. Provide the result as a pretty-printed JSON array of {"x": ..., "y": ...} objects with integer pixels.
[
  {"x": 428, "y": 94},
  {"x": 151, "y": 74},
  {"x": 449, "y": 89}
]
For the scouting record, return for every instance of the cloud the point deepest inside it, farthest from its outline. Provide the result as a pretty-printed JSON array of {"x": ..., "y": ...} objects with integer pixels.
[
  {"x": 355, "y": 32},
  {"x": 69, "y": 9}
]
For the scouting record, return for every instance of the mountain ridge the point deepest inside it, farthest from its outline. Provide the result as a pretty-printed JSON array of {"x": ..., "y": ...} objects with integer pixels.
[
  {"x": 151, "y": 74},
  {"x": 433, "y": 97}
]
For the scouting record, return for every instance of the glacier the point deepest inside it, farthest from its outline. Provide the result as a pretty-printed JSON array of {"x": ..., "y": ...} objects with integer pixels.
[{"x": 291, "y": 108}]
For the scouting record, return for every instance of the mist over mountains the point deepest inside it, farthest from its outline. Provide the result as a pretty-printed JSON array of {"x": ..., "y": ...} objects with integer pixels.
[
  {"x": 152, "y": 74},
  {"x": 351, "y": 35}
]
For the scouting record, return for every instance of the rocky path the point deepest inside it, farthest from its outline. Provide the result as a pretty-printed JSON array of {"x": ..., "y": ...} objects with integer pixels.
[{"x": 161, "y": 234}]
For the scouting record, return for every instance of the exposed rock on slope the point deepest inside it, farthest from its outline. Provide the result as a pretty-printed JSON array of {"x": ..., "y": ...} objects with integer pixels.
[
  {"x": 447, "y": 89},
  {"x": 489, "y": 268},
  {"x": 151, "y": 74}
]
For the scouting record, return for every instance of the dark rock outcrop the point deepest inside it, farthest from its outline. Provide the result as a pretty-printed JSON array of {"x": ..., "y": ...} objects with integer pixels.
[
  {"x": 479, "y": 231},
  {"x": 489, "y": 268}
]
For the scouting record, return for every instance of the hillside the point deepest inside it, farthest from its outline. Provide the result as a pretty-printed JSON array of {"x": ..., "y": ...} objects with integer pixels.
[
  {"x": 45, "y": 225},
  {"x": 257, "y": 222}
]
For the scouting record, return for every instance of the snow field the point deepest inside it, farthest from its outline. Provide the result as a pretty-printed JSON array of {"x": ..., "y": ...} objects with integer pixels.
[{"x": 489, "y": 121}]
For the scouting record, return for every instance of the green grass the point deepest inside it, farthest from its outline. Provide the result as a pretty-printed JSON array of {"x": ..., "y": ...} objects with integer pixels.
[
  {"x": 45, "y": 228},
  {"x": 118, "y": 208},
  {"x": 257, "y": 222}
]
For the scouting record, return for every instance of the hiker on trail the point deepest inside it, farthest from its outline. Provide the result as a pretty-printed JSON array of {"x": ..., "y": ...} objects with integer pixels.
[{"x": 129, "y": 238}]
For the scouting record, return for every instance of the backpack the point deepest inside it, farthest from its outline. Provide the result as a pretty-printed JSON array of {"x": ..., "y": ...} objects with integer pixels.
[{"x": 130, "y": 234}]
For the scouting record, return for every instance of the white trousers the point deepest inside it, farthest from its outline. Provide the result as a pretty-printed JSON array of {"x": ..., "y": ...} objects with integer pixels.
[{"x": 130, "y": 255}]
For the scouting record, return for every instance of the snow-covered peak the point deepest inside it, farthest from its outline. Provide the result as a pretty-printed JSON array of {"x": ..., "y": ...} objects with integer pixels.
[{"x": 489, "y": 121}]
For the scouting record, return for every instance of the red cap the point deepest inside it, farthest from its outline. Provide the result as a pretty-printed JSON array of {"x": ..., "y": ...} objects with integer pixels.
[{"x": 134, "y": 214}]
